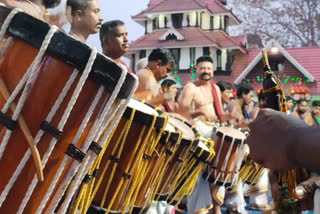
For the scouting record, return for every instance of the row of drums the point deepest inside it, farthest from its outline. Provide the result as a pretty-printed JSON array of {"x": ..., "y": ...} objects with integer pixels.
[{"x": 73, "y": 140}]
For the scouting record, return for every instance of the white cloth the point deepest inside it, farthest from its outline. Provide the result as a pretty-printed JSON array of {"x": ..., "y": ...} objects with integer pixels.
[
  {"x": 317, "y": 202},
  {"x": 258, "y": 194},
  {"x": 200, "y": 197},
  {"x": 160, "y": 207},
  {"x": 234, "y": 201}
]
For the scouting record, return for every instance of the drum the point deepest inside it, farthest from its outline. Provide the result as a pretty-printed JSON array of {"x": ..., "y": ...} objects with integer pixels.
[
  {"x": 187, "y": 162},
  {"x": 56, "y": 92},
  {"x": 230, "y": 148},
  {"x": 169, "y": 141},
  {"x": 131, "y": 155},
  {"x": 194, "y": 165},
  {"x": 178, "y": 157},
  {"x": 251, "y": 172}
]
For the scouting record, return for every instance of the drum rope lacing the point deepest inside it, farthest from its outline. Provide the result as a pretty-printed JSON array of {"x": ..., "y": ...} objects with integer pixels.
[
  {"x": 61, "y": 125},
  {"x": 235, "y": 163},
  {"x": 163, "y": 168},
  {"x": 97, "y": 134},
  {"x": 85, "y": 200},
  {"x": 28, "y": 80},
  {"x": 91, "y": 193},
  {"x": 195, "y": 167},
  {"x": 41, "y": 132}
]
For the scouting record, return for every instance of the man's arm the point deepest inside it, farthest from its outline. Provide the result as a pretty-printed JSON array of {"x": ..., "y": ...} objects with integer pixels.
[
  {"x": 149, "y": 90},
  {"x": 185, "y": 101}
]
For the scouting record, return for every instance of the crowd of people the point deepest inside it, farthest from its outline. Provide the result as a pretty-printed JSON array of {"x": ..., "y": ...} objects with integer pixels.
[{"x": 277, "y": 140}]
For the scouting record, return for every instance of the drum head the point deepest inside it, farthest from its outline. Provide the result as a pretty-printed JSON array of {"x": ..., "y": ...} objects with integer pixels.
[
  {"x": 231, "y": 133},
  {"x": 133, "y": 103},
  {"x": 187, "y": 132}
]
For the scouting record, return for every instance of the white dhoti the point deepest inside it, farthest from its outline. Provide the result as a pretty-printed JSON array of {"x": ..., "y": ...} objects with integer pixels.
[
  {"x": 234, "y": 201},
  {"x": 258, "y": 194},
  {"x": 199, "y": 202},
  {"x": 161, "y": 207}
]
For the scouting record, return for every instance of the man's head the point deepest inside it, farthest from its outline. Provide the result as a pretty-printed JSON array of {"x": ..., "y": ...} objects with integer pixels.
[
  {"x": 162, "y": 61},
  {"x": 205, "y": 68},
  {"x": 114, "y": 39},
  {"x": 50, "y": 3},
  {"x": 315, "y": 108},
  {"x": 289, "y": 102},
  {"x": 302, "y": 106},
  {"x": 86, "y": 16},
  {"x": 226, "y": 91},
  {"x": 169, "y": 88},
  {"x": 245, "y": 93}
]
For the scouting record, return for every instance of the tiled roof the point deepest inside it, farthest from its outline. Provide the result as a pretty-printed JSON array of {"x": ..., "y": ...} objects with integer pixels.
[
  {"x": 308, "y": 57},
  {"x": 224, "y": 40},
  {"x": 175, "y": 5},
  {"x": 158, "y": 6},
  {"x": 193, "y": 36},
  {"x": 215, "y": 6}
]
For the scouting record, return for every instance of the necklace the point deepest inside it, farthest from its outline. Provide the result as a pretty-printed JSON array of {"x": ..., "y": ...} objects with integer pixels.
[{"x": 34, "y": 6}]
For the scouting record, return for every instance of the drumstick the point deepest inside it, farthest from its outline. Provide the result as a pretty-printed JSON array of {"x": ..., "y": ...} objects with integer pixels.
[{"x": 26, "y": 131}]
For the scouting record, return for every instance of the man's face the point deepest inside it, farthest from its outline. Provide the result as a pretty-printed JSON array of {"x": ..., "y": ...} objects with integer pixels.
[
  {"x": 205, "y": 70},
  {"x": 92, "y": 19},
  {"x": 289, "y": 104},
  {"x": 247, "y": 98},
  {"x": 164, "y": 70},
  {"x": 115, "y": 44},
  {"x": 226, "y": 95},
  {"x": 316, "y": 110},
  {"x": 302, "y": 107}
]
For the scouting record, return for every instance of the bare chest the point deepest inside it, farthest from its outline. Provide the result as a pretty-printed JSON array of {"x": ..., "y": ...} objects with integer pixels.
[{"x": 202, "y": 96}]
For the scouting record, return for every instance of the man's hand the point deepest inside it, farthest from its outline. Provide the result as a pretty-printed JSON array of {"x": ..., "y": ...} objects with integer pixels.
[{"x": 271, "y": 135}]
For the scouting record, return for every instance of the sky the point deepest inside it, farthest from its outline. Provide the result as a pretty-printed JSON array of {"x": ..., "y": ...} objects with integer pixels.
[{"x": 122, "y": 10}]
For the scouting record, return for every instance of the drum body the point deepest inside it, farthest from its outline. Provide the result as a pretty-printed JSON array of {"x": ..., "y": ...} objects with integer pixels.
[
  {"x": 178, "y": 158},
  {"x": 169, "y": 141},
  {"x": 129, "y": 157},
  {"x": 230, "y": 149},
  {"x": 50, "y": 79},
  {"x": 187, "y": 162},
  {"x": 251, "y": 172}
]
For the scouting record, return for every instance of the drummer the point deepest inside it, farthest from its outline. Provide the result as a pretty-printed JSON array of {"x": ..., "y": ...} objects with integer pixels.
[
  {"x": 238, "y": 112},
  {"x": 85, "y": 18},
  {"x": 34, "y": 8},
  {"x": 114, "y": 40},
  {"x": 160, "y": 63},
  {"x": 311, "y": 118},
  {"x": 202, "y": 98}
]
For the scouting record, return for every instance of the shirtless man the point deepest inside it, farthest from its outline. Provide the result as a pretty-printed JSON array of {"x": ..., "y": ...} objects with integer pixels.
[
  {"x": 85, "y": 18},
  {"x": 261, "y": 104},
  {"x": 236, "y": 107},
  {"x": 201, "y": 98},
  {"x": 35, "y": 8},
  {"x": 159, "y": 65},
  {"x": 302, "y": 106},
  {"x": 226, "y": 91},
  {"x": 311, "y": 118}
]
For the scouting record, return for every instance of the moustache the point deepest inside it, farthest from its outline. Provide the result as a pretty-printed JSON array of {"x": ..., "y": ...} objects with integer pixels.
[{"x": 99, "y": 23}]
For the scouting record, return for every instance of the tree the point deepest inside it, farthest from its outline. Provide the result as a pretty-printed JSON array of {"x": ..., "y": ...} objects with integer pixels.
[{"x": 293, "y": 23}]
